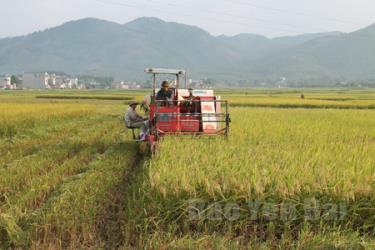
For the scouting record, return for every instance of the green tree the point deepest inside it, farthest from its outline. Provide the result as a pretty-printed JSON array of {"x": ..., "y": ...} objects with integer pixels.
[{"x": 14, "y": 80}]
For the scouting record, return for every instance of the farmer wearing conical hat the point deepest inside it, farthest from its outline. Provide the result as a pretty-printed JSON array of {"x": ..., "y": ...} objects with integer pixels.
[{"x": 134, "y": 120}]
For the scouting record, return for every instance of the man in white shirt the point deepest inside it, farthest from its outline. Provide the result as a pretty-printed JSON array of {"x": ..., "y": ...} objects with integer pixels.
[{"x": 133, "y": 120}]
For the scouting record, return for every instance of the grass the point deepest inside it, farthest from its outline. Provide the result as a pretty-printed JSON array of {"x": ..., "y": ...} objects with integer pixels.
[{"x": 72, "y": 178}]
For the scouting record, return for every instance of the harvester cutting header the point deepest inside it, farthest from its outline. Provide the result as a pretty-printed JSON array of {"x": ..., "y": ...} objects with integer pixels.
[{"x": 183, "y": 111}]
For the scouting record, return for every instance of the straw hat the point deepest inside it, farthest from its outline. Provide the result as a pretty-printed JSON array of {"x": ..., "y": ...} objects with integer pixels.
[{"x": 133, "y": 103}]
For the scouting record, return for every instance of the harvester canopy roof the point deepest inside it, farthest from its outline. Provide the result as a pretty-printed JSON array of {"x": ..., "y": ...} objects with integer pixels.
[{"x": 165, "y": 71}]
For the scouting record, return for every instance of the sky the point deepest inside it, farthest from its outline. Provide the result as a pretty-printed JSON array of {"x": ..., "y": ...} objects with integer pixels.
[{"x": 271, "y": 18}]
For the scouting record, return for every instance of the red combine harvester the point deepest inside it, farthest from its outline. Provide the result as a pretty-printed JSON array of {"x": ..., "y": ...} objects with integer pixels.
[{"x": 189, "y": 112}]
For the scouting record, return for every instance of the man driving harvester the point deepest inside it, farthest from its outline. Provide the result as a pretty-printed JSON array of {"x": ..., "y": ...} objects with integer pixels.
[
  {"x": 134, "y": 120},
  {"x": 165, "y": 94}
]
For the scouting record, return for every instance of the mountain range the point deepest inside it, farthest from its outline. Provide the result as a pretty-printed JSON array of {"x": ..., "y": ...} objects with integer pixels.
[{"x": 102, "y": 48}]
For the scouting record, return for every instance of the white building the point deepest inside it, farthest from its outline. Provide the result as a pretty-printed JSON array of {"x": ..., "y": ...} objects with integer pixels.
[
  {"x": 48, "y": 81},
  {"x": 64, "y": 82},
  {"x": 6, "y": 83},
  {"x": 38, "y": 80},
  {"x": 122, "y": 85}
]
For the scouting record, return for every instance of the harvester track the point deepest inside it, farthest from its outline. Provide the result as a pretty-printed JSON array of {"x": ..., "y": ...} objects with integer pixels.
[{"x": 111, "y": 222}]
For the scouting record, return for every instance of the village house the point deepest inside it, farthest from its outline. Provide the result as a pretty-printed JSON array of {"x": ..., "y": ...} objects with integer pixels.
[
  {"x": 45, "y": 80},
  {"x": 6, "y": 82}
]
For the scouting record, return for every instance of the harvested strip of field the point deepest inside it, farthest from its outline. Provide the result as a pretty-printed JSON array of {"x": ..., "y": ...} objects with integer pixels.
[
  {"x": 84, "y": 97},
  {"x": 86, "y": 177},
  {"x": 274, "y": 159},
  {"x": 62, "y": 177},
  {"x": 15, "y": 117},
  {"x": 42, "y": 137},
  {"x": 21, "y": 174},
  {"x": 76, "y": 216}
]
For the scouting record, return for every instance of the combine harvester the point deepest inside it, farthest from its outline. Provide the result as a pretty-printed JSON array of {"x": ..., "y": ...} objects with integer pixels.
[{"x": 201, "y": 113}]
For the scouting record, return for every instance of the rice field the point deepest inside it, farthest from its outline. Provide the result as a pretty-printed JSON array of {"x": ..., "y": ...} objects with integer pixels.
[
  {"x": 311, "y": 99},
  {"x": 273, "y": 157},
  {"x": 293, "y": 174}
]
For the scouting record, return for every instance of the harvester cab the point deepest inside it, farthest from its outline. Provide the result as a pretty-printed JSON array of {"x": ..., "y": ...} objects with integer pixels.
[{"x": 188, "y": 112}]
